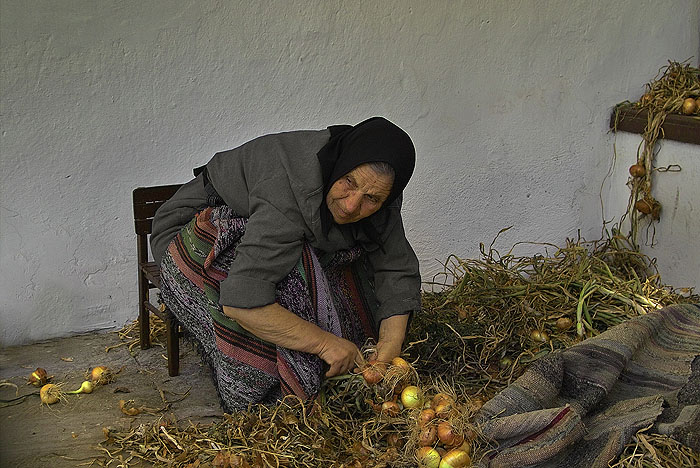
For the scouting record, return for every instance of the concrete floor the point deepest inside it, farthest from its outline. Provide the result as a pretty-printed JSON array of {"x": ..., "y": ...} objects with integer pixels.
[{"x": 65, "y": 434}]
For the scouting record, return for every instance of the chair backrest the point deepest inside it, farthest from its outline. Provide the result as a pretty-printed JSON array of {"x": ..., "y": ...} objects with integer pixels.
[{"x": 146, "y": 201}]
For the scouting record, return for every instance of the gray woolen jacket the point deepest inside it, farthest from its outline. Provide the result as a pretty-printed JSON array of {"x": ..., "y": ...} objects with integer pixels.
[{"x": 275, "y": 181}]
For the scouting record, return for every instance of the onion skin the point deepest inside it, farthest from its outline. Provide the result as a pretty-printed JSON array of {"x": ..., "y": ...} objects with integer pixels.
[
  {"x": 455, "y": 458},
  {"x": 412, "y": 397},
  {"x": 428, "y": 457},
  {"x": 637, "y": 170}
]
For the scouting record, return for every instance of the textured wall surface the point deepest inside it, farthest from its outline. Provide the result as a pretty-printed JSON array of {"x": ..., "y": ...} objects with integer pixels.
[
  {"x": 674, "y": 241},
  {"x": 508, "y": 103}
]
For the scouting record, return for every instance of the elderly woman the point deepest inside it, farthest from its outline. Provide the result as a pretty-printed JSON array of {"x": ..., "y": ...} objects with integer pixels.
[{"x": 285, "y": 255}]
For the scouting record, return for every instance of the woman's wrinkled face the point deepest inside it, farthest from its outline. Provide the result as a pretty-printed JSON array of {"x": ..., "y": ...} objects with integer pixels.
[{"x": 358, "y": 194}]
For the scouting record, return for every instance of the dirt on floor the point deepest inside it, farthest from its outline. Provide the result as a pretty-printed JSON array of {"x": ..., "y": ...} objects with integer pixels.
[{"x": 66, "y": 434}]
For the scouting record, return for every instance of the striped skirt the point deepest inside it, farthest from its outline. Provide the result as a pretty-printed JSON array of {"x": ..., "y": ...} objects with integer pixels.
[{"x": 336, "y": 295}]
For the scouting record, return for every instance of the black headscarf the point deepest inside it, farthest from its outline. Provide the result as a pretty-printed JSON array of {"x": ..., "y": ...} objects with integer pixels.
[{"x": 374, "y": 140}]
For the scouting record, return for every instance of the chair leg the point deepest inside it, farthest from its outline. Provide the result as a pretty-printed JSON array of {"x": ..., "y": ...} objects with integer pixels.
[
  {"x": 144, "y": 326},
  {"x": 173, "y": 344}
]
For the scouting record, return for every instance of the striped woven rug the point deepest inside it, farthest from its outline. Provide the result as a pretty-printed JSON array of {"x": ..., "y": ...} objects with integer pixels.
[{"x": 577, "y": 408}]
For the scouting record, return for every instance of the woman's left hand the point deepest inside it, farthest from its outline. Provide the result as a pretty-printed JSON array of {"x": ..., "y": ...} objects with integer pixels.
[{"x": 392, "y": 332}]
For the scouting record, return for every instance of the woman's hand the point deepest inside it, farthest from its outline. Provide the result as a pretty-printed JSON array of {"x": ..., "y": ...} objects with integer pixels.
[
  {"x": 340, "y": 354},
  {"x": 392, "y": 332},
  {"x": 277, "y": 325}
]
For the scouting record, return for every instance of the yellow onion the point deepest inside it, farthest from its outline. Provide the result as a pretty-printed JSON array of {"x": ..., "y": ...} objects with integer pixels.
[
  {"x": 425, "y": 416},
  {"x": 476, "y": 404},
  {"x": 637, "y": 170},
  {"x": 545, "y": 336},
  {"x": 446, "y": 433},
  {"x": 374, "y": 372},
  {"x": 564, "y": 323},
  {"x": 455, "y": 458},
  {"x": 390, "y": 408},
  {"x": 85, "y": 387},
  {"x": 412, "y": 397},
  {"x": 427, "y": 436},
  {"x": 49, "y": 394},
  {"x": 98, "y": 373},
  {"x": 689, "y": 106},
  {"x": 401, "y": 363},
  {"x": 428, "y": 457},
  {"x": 39, "y": 377},
  {"x": 643, "y": 206},
  {"x": 537, "y": 336},
  {"x": 442, "y": 404},
  {"x": 697, "y": 104}
]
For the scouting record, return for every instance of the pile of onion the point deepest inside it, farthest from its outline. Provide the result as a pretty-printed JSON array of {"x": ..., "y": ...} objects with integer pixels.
[{"x": 440, "y": 444}]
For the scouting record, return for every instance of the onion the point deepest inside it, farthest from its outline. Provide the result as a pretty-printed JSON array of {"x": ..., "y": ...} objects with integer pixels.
[
  {"x": 412, "y": 397},
  {"x": 689, "y": 106},
  {"x": 49, "y": 394},
  {"x": 427, "y": 436},
  {"x": 536, "y": 335},
  {"x": 401, "y": 364},
  {"x": 545, "y": 336},
  {"x": 564, "y": 323},
  {"x": 637, "y": 170},
  {"x": 85, "y": 387},
  {"x": 425, "y": 416},
  {"x": 643, "y": 206},
  {"x": 393, "y": 439},
  {"x": 475, "y": 404},
  {"x": 446, "y": 433},
  {"x": 440, "y": 397},
  {"x": 428, "y": 457},
  {"x": 100, "y": 374},
  {"x": 374, "y": 372},
  {"x": 455, "y": 458},
  {"x": 697, "y": 104},
  {"x": 391, "y": 408},
  {"x": 39, "y": 377}
]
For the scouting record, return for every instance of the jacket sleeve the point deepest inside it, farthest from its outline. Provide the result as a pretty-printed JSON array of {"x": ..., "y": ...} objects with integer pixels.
[
  {"x": 268, "y": 251},
  {"x": 396, "y": 272}
]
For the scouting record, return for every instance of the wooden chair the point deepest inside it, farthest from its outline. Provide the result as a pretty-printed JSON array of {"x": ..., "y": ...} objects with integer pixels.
[{"x": 146, "y": 201}]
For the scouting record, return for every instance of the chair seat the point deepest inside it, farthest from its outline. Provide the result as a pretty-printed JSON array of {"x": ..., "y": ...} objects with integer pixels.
[{"x": 152, "y": 272}]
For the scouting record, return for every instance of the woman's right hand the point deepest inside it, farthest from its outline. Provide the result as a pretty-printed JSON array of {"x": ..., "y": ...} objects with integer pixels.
[{"x": 340, "y": 354}]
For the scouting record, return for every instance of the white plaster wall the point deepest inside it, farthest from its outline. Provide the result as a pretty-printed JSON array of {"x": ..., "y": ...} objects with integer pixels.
[
  {"x": 674, "y": 241},
  {"x": 507, "y": 102}
]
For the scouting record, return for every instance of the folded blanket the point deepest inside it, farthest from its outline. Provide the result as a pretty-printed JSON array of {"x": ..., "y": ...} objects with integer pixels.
[{"x": 578, "y": 407}]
